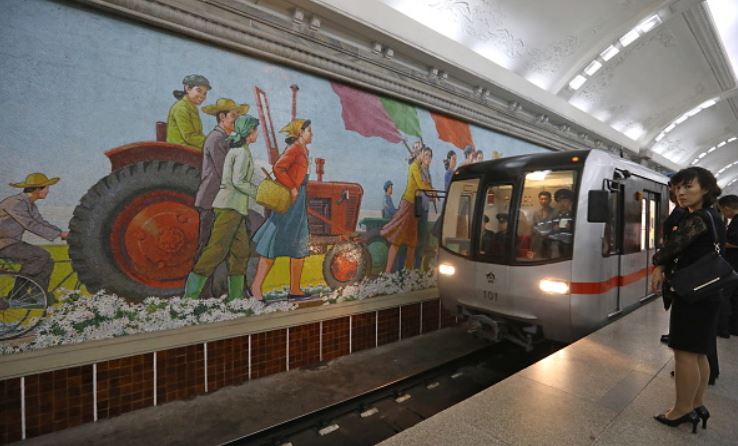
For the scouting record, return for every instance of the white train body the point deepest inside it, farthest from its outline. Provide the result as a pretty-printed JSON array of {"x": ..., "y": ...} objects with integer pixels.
[{"x": 566, "y": 278}]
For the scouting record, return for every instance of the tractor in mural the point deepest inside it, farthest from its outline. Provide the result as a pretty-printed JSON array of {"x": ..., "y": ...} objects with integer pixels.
[{"x": 135, "y": 231}]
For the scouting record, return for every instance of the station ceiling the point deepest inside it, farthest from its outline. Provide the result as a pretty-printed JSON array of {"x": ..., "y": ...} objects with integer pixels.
[{"x": 658, "y": 74}]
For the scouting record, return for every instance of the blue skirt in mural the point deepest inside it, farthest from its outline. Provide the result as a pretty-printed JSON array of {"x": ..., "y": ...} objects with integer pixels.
[{"x": 285, "y": 234}]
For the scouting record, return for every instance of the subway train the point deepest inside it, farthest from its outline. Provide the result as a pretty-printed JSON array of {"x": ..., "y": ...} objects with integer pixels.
[{"x": 549, "y": 246}]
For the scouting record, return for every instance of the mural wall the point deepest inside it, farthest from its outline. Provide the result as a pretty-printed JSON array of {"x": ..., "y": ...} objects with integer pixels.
[{"x": 159, "y": 182}]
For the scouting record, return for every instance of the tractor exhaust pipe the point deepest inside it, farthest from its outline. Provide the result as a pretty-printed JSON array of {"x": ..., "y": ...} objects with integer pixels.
[{"x": 294, "y": 89}]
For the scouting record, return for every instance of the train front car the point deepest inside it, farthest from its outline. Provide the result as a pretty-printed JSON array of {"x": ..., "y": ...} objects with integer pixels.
[{"x": 509, "y": 257}]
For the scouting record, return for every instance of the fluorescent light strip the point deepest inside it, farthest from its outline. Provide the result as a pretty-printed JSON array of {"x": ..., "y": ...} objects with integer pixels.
[
  {"x": 710, "y": 150},
  {"x": 629, "y": 37},
  {"x": 593, "y": 67},
  {"x": 609, "y": 53},
  {"x": 707, "y": 104},
  {"x": 577, "y": 82},
  {"x": 650, "y": 23}
]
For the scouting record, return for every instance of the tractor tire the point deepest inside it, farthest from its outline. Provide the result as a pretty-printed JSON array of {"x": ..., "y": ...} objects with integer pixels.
[
  {"x": 135, "y": 232},
  {"x": 345, "y": 263}
]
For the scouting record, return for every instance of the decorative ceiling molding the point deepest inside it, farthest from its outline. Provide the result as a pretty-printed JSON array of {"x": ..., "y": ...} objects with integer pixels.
[
  {"x": 699, "y": 22},
  {"x": 240, "y": 26}
]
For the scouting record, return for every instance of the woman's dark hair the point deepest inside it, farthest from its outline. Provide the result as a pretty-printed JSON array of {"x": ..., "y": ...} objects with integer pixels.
[
  {"x": 192, "y": 80},
  {"x": 426, "y": 149},
  {"x": 704, "y": 177},
  {"x": 291, "y": 139},
  {"x": 447, "y": 161},
  {"x": 28, "y": 190}
]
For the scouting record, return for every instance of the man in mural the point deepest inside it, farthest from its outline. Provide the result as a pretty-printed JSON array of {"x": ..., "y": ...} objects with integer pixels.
[
  {"x": 478, "y": 156},
  {"x": 230, "y": 239},
  {"x": 214, "y": 153},
  {"x": 286, "y": 234},
  {"x": 183, "y": 123},
  {"x": 18, "y": 214},
  {"x": 469, "y": 155},
  {"x": 402, "y": 230},
  {"x": 389, "y": 209}
]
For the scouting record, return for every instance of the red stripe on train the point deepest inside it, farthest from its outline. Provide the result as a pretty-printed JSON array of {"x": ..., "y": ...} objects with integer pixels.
[{"x": 607, "y": 285}]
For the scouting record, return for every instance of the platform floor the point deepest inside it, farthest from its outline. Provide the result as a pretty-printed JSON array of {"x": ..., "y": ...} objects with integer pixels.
[{"x": 600, "y": 390}]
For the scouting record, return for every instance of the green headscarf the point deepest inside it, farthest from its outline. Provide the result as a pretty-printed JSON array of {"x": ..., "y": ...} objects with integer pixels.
[{"x": 243, "y": 126}]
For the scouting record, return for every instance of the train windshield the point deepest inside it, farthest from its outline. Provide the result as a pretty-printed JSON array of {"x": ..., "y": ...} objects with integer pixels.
[{"x": 546, "y": 217}]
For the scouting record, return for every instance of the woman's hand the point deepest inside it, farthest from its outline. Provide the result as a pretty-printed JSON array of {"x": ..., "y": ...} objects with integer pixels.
[
  {"x": 657, "y": 279},
  {"x": 293, "y": 193}
]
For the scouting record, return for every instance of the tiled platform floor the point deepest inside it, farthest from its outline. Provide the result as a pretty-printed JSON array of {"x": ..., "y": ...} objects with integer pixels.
[{"x": 601, "y": 390}]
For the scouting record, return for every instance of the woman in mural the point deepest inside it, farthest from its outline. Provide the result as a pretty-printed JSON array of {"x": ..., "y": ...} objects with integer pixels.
[
  {"x": 229, "y": 239},
  {"x": 403, "y": 228},
  {"x": 286, "y": 234},
  {"x": 183, "y": 123},
  {"x": 426, "y": 156}
]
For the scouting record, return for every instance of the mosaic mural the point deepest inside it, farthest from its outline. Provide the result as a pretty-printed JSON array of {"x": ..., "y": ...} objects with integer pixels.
[{"x": 154, "y": 182}]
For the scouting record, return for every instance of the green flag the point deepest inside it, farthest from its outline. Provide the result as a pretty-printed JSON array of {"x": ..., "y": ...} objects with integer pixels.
[{"x": 404, "y": 116}]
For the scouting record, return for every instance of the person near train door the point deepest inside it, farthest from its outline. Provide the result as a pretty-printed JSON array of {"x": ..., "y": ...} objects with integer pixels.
[
  {"x": 542, "y": 226},
  {"x": 230, "y": 239},
  {"x": 18, "y": 214},
  {"x": 692, "y": 326},
  {"x": 562, "y": 223},
  {"x": 729, "y": 208},
  {"x": 670, "y": 226}
]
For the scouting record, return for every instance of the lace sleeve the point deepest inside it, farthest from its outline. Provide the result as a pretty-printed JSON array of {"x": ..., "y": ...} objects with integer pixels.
[{"x": 689, "y": 229}]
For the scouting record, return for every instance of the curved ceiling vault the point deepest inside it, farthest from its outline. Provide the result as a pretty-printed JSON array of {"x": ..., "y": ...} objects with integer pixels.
[{"x": 659, "y": 72}]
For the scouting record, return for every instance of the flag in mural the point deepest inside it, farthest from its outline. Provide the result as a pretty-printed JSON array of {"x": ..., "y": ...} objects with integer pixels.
[
  {"x": 370, "y": 115},
  {"x": 452, "y": 130}
]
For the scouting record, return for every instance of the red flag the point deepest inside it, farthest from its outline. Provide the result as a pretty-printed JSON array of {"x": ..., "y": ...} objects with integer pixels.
[
  {"x": 452, "y": 130},
  {"x": 364, "y": 113}
]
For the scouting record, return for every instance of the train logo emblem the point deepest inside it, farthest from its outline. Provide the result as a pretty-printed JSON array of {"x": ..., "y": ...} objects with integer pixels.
[{"x": 490, "y": 277}]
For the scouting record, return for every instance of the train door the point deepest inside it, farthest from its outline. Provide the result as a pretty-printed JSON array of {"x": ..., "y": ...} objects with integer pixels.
[
  {"x": 651, "y": 213},
  {"x": 612, "y": 248}
]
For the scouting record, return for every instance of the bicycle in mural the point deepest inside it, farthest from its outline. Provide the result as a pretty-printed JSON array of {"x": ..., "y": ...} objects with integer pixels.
[{"x": 23, "y": 302}]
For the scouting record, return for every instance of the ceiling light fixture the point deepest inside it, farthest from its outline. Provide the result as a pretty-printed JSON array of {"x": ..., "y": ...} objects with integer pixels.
[
  {"x": 593, "y": 67},
  {"x": 712, "y": 149},
  {"x": 629, "y": 37},
  {"x": 609, "y": 53},
  {"x": 705, "y": 105},
  {"x": 577, "y": 82},
  {"x": 650, "y": 23}
]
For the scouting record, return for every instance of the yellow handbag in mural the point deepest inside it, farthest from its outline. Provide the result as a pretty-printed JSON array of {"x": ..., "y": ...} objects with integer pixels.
[{"x": 272, "y": 195}]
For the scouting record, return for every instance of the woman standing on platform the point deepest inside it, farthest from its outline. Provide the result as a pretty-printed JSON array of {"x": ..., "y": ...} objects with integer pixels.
[{"x": 691, "y": 326}]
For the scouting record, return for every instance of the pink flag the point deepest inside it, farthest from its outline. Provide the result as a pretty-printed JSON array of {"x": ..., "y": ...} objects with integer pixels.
[{"x": 363, "y": 113}]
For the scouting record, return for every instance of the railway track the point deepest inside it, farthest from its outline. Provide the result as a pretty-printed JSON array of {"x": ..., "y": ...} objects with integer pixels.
[{"x": 379, "y": 413}]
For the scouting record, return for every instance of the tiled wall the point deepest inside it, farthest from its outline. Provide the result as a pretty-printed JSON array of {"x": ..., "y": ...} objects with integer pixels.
[{"x": 64, "y": 398}]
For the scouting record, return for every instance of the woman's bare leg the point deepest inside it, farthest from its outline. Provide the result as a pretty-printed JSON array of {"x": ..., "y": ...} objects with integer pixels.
[
  {"x": 262, "y": 269},
  {"x": 391, "y": 257},
  {"x": 296, "y": 275},
  {"x": 704, "y": 366},
  {"x": 687, "y": 380}
]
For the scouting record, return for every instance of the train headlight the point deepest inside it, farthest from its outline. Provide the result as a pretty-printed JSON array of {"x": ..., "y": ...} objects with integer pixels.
[
  {"x": 552, "y": 286},
  {"x": 446, "y": 269}
]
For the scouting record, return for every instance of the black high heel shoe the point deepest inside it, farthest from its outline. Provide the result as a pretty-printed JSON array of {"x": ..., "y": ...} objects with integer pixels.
[
  {"x": 691, "y": 417},
  {"x": 704, "y": 414}
]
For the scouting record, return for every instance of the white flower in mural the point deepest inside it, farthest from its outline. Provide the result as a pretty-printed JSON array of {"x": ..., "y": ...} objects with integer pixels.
[{"x": 102, "y": 316}]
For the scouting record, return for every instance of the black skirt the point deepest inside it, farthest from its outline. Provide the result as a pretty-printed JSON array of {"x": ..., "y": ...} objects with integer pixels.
[{"x": 693, "y": 327}]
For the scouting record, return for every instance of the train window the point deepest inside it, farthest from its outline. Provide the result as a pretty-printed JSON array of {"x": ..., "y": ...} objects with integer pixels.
[
  {"x": 610, "y": 245},
  {"x": 495, "y": 215},
  {"x": 546, "y": 217},
  {"x": 457, "y": 217}
]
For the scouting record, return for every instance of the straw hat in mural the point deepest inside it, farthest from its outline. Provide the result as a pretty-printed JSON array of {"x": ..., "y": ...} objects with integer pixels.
[
  {"x": 225, "y": 105},
  {"x": 293, "y": 128},
  {"x": 36, "y": 180}
]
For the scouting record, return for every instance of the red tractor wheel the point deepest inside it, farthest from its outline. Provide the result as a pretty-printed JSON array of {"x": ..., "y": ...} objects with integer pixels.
[
  {"x": 135, "y": 232},
  {"x": 345, "y": 263}
]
